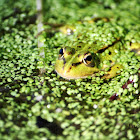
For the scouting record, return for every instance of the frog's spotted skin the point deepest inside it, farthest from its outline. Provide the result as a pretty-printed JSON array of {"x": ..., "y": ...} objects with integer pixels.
[{"x": 84, "y": 60}]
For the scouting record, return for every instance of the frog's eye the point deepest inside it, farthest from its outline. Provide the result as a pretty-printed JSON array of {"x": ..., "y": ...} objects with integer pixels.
[
  {"x": 61, "y": 52},
  {"x": 88, "y": 60}
]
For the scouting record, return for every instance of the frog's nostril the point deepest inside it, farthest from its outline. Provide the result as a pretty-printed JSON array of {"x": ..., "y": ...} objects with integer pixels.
[
  {"x": 79, "y": 46},
  {"x": 69, "y": 69}
]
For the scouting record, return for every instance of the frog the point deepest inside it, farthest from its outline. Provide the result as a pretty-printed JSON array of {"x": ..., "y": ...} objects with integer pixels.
[{"x": 83, "y": 59}]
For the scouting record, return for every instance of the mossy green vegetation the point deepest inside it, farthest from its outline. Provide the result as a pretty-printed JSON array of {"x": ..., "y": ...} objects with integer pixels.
[{"x": 50, "y": 107}]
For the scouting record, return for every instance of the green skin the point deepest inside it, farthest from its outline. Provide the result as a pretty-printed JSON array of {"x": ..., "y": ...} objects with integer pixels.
[{"x": 73, "y": 62}]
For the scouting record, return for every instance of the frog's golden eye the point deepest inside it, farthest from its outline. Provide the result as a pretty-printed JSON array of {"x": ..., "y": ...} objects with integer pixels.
[
  {"x": 88, "y": 60},
  {"x": 61, "y": 53}
]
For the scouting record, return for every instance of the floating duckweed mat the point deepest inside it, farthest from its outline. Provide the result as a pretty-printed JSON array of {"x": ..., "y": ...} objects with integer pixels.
[{"x": 51, "y": 107}]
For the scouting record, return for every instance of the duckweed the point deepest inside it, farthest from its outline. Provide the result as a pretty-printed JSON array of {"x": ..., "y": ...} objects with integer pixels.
[{"x": 50, "y": 107}]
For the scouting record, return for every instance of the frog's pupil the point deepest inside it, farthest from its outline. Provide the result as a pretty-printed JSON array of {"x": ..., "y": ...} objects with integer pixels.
[
  {"x": 88, "y": 58},
  {"x": 61, "y": 51}
]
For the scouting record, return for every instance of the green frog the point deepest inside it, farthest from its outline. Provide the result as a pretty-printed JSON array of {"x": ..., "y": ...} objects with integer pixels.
[
  {"x": 87, "y": 59},
  {"x": 83, "y": 60}
]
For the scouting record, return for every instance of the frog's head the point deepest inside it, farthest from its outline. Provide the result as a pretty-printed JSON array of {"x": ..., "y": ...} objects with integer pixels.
[{"x": 74, "y": 63}]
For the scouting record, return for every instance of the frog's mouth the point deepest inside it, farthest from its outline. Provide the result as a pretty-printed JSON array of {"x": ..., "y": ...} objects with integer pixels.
[
  {"x": 69, "y": 77},
  {"x": 76, "y": 72}
]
